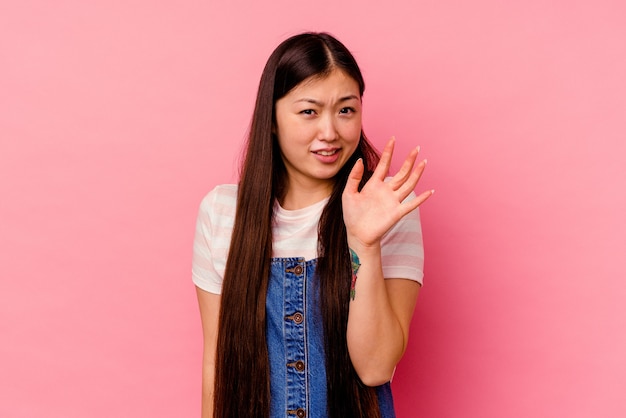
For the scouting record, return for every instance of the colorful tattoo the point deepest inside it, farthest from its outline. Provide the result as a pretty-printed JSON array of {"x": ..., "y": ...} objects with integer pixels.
[{"x": 356, "y": 263}]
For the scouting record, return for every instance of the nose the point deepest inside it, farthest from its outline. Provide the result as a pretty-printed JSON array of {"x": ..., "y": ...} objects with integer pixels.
[{"x": 327, "y": 129}]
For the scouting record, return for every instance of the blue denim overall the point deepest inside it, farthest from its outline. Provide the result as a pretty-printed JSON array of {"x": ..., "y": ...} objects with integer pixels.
[{"x": 296, "y": 344}]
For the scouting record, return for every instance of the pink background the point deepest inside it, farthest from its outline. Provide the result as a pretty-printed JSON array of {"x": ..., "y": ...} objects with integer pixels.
[{"x": 117, "y": 117}]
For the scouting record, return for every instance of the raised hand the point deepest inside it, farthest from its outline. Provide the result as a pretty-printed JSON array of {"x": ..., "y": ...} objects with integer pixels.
[{"x": 370, "y": 213}]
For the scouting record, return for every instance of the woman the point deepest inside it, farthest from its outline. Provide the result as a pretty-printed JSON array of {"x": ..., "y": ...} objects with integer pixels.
[{"x": 308, "y": 270}]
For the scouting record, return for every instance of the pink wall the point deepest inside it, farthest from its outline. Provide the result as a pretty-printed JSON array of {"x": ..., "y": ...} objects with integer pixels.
[{"x": 116, "y": 118}]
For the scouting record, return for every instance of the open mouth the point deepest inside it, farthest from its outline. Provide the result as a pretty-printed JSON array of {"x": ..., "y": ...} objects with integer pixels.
[{"x": 326, "y": 153}]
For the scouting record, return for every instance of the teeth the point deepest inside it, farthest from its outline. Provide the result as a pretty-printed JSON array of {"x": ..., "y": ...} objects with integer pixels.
[{"x": 326, "y": 152}]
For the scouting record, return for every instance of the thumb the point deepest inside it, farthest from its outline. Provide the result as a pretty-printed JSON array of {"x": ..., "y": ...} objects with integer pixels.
[{"x": 354, "y": 178}]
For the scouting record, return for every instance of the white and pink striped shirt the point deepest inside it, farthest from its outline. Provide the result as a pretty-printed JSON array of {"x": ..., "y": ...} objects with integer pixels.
[{"x": 295, "y": 235}]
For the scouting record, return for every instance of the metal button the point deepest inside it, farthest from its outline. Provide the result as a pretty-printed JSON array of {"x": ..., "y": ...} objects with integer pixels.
[
  {"x": 298, "y": 270},
  {"x": 300, "y": 412},
  {"x": 298, "y": 365}
]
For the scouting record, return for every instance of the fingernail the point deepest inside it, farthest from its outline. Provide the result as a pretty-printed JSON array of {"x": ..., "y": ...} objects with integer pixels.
[{"x": 419, "y": 148}]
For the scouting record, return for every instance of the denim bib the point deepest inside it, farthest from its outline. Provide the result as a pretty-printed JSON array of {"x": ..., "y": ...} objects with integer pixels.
[{"x": 295, "y": 343}]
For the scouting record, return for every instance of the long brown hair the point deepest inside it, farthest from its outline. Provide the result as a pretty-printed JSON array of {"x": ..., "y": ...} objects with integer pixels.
[{"x": 242, "y": 369}]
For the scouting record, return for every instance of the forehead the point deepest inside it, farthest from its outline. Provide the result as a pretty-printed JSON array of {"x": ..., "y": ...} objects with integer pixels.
[{"x": 335, "y": 81}]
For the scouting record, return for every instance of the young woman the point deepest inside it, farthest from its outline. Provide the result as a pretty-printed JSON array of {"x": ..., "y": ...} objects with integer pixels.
[{"x": 308, "y": 270}]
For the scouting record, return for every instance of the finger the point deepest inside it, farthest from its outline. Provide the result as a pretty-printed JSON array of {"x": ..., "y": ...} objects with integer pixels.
[
  {"x": 385, "y": 160},
  {"x": 405, "y": 171},
  {"x": 415, "y": 203},
  {"x": 409, "y": 185},
  {"x": 354, "y": 178}
]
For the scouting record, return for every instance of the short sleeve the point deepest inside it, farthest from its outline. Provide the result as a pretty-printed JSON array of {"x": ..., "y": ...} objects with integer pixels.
[
  {"x": 212, "y": 238},
  {"x": 403, "y": 249}
]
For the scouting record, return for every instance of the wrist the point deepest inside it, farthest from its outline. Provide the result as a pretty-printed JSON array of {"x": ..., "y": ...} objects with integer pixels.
[{"x": 363, "y": 249}]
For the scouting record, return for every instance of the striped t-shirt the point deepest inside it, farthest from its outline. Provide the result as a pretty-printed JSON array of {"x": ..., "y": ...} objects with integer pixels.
[{"x": 295, "y": 235}]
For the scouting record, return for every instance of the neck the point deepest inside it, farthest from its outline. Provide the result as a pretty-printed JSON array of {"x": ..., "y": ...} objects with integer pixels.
[{"x": 299, "y": 196}]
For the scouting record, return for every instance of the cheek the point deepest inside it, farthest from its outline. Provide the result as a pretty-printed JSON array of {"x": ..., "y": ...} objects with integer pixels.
[
  {"x": 353, "y": 131},
  {"x": 291, "y": 128}
]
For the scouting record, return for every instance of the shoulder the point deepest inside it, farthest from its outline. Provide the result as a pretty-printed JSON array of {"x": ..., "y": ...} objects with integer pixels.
[
  {"x": 217, "y": 209},
  {"x": 214, "y": 226},
  {"x": 221, "y": 194},
  {"x": 402, "y": 248},
  {"x": 221, "y": 200}
]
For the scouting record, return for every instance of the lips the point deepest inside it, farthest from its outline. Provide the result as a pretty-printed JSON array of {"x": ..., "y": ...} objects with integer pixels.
[{"x": 327, "y": 156}]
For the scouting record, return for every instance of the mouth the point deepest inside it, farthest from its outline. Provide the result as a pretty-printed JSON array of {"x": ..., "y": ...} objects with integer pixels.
[{"x": 326, "y": 153}]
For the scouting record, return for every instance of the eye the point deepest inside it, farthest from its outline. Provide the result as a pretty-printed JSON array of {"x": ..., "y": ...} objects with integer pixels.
[
  {"x": 308, "y": 112},
  {"x": 347, "y": 110}
]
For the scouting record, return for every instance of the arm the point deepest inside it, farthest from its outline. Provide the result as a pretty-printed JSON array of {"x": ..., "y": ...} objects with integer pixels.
[
  {"x": 209, "y": 313},
  {"x": 379, "y": 321},
  {"x": 381, "y": 312}
]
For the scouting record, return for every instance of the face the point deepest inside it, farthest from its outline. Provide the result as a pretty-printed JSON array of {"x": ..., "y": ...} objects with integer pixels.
[{"x": 318, "y": 125}]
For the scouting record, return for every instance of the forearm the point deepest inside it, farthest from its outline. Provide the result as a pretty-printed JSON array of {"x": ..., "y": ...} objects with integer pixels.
[
  {"x": 376, "y": 338},
  {"x": 209, "y": 304},
  {"x": 208, "y": 382}
]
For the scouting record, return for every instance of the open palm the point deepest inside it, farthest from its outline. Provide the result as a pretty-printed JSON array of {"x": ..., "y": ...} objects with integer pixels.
[{"x": 373, "y": 211}]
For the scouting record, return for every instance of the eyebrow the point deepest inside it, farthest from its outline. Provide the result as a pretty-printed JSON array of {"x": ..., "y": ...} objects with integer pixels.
[{"x": 317, "y": 102}]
